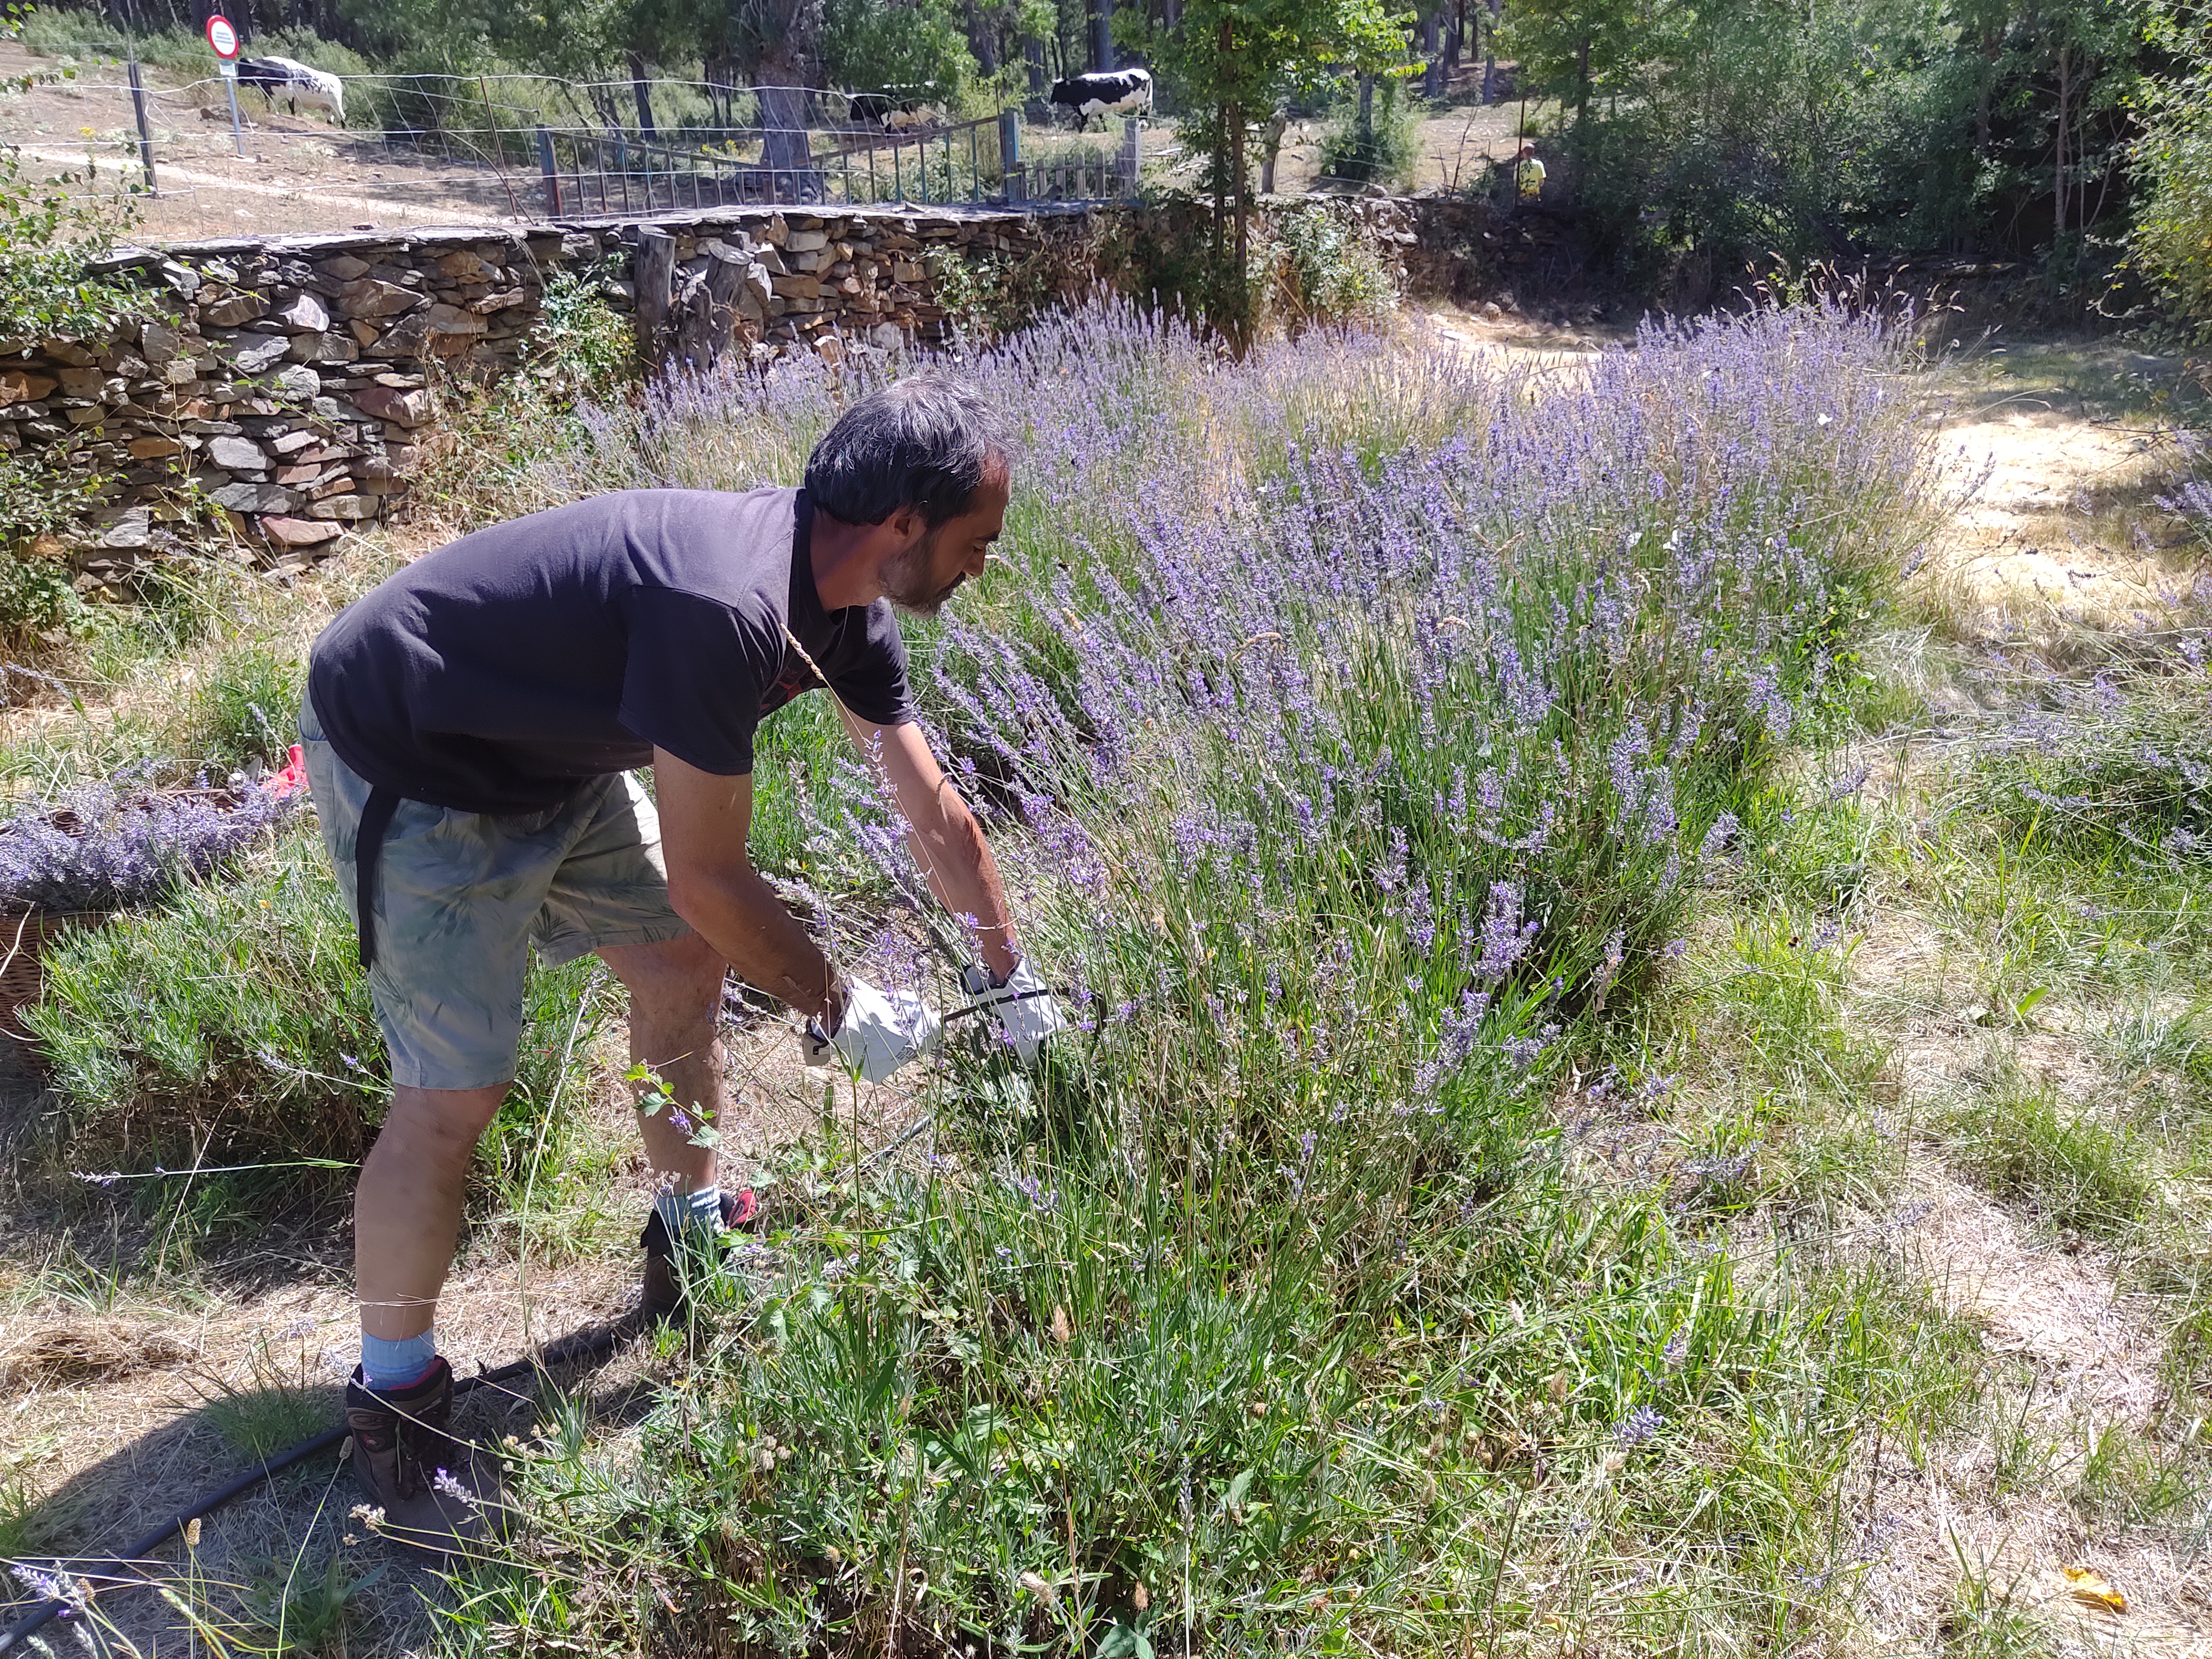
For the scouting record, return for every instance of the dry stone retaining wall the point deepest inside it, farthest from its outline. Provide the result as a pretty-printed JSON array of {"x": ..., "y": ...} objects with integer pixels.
[{"x": 290, "y": 380}]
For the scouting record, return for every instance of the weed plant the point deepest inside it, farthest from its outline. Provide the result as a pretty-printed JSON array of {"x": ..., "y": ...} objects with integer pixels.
[{"x": 1358, "y": 764}]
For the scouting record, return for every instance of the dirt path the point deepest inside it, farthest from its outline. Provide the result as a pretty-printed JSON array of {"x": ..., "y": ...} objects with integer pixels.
[{"x": 2053, "y": 534}]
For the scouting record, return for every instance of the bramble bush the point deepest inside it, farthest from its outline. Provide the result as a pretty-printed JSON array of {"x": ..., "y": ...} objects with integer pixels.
[{"x": 1358, "y": 729}]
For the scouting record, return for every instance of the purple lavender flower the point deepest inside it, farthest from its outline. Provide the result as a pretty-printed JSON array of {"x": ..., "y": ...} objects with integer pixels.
[{"x": 1638, "y": 1426}]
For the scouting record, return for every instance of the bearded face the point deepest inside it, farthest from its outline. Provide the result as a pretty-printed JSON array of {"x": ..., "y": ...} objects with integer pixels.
[{"x": 913, "y": 581}]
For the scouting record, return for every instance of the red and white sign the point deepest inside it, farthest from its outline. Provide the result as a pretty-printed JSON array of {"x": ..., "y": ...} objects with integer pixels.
[{"x": 222, "y": 37}]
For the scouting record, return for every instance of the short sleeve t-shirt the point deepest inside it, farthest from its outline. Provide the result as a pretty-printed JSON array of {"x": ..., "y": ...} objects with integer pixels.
[{"x": 500, "y": 672}]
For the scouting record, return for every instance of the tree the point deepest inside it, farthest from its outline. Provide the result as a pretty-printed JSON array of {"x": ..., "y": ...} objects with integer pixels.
[
  {"x": 1231, "y": 61},
  {"x": 2172, "y": 238}
]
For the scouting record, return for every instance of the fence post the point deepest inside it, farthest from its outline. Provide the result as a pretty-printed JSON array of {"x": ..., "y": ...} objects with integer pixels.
[
  {"x": 545, "y": 166},
  {"x": 145, "y": 132},
  {"x": 656, "y": 278},
  {"x": 1011, "y": 176},
  {"x": 1132, "y": 149}
]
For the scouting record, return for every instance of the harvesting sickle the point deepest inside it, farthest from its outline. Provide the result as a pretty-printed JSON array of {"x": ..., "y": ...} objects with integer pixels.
[{"x": 469, "y": 732}]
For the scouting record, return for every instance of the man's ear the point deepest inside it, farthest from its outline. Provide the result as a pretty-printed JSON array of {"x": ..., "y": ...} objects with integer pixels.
[{"x": 908, "y": 522}]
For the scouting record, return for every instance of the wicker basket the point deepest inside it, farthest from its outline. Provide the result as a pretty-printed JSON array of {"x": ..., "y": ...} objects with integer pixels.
[{"x": 23, "y": 939}]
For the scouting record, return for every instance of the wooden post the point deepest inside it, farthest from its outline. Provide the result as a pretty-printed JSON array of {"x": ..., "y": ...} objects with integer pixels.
[
  {"x": 145, "y": 132},
  {"x": 656, "y": 275},
  {"x": 1010, "y": 156},
  {"x": 545, "y": 166}
]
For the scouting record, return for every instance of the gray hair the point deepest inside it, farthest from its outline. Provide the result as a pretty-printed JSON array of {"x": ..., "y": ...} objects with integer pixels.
[{"x": 924, "y": 441}]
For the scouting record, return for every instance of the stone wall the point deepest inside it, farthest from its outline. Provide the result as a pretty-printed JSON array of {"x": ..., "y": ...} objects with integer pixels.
[{"x": 289, "y": 381}]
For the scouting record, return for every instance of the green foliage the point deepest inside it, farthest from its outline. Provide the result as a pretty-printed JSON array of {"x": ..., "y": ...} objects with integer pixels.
[
  {"x": 244, "y": 708},
  {"x": 918, "y": 50},
  {"x": 1329, "y": 270},
  {"x": 2172, "y": 234},
  {"x": 1380, "y": 147},
  {"x": 232, "y": 1022}
]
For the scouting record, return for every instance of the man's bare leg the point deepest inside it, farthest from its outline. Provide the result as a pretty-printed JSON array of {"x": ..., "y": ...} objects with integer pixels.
[
  {"x": 675, "y": 1001},
  {"x": 407, "y": 1209}
]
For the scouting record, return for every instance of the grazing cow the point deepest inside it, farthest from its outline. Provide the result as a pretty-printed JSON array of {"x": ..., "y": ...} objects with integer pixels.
[
  {"x": 296, "y": 83},
  {"x": 1123, "y": 92},
  {"x": 906, "y": 118},
  {"x": 873, "y": 107}
]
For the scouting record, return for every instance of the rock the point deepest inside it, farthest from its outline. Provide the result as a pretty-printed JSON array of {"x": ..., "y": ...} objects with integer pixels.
[
  {"x": 183, "y": 280},
  {"x": 343, "y": 268},
  {"x": 773, "y": 262},
  {"x": 291, "y": 443},
  {"x": 255, "y": 498},
  {"x": 886, "y": 336},
  {"x": 234, "y": 310},
  {"x": 365, "y": 333},
  {"x": 259, "y": 353},
  {"x": 798, "y": 288},
  {"x": 159, "y": 343},
  {"x": 297, "y": 533},
  {"x": 146, "y": 449},
  {"x": 368, "y": 297},
  {"x": 350, "y": 509},
  {"x": 387, "y": 403},
  {"x": 465, "y": 267},
  {"x": 453, "y": 321},
  {"x": 298, "y": 381},
  {"x": 497, "y": 302},
  {"x": 19, "y": 385},
  {"x": 305, "y": 315},
  {"x": 301, "y": 477},
  {"x": 804, "y": 242},
  {"x": 133, "y": 529},
  {"x": 238, "y": 455}
]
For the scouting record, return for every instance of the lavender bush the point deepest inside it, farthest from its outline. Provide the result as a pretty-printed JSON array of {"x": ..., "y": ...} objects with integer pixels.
[
  {"x": 1358, "y": 724},
  {"x": 118, "y": 843}
]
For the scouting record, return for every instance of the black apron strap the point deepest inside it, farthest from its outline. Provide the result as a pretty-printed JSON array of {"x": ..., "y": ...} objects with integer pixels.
[{"x": 367, "y": 847}]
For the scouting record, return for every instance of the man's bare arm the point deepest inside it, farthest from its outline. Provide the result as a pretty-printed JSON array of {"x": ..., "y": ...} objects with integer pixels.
[
  {"x": 704, "y": 821},
  {"x": 947, "y": 842}
]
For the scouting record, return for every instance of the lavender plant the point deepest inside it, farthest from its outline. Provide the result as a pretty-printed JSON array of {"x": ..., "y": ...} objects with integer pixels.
[
  {"x": 1358, "y": 726},
  {"x": 117, "y": 843}
]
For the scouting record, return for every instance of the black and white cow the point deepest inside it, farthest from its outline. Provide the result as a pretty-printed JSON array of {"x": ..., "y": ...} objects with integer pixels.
[
  {"x": 296, "y": 83},
  {"x": 1119, "y": 92}
]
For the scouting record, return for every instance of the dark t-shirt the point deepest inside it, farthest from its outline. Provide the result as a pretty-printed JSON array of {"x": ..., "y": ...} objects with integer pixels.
[{"x": 499, "y": 672}]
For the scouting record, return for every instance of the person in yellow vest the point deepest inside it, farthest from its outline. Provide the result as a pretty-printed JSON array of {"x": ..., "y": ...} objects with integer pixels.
[{"x": 1530, "y": 174}]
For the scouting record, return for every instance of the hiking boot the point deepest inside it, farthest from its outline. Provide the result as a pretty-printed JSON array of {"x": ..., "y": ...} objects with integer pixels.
[
  {"x": 412, "y": 1467},
  {"x": 663, "y": 1298}
]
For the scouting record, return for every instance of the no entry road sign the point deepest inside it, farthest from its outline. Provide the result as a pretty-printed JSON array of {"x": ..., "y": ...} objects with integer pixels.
[{"x": 222, "y": 37}]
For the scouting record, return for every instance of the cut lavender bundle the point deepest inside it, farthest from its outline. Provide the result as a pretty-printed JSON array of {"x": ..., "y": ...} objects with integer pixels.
[{"x": 117, "y": 843}]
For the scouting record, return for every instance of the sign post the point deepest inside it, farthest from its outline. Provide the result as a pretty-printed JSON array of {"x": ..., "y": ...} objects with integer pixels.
[{"x": 224, "y": 38}]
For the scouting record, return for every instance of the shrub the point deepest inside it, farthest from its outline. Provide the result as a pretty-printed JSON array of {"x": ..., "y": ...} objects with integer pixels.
[
  {"x": 1382, "y": 149},
  {"x": 2172, "y": 236},
  {"x": 1329, "y": 270}
]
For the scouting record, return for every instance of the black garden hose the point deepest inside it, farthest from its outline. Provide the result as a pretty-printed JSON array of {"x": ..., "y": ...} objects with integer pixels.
[{"x": 578, "y": 1347}]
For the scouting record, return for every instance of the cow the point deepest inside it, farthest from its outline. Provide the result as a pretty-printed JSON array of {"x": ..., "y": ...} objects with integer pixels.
[
  {"x": 1119, "y": 92},
  {"x": 907, "y": 118},
  {"x": 296, "y": 83}
]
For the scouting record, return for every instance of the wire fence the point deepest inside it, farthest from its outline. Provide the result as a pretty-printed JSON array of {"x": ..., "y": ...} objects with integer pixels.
[{"x": 424, "y": 150}]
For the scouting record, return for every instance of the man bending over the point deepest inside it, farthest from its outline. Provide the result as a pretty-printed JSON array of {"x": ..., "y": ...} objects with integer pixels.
[{"x": 470, "y": 727}]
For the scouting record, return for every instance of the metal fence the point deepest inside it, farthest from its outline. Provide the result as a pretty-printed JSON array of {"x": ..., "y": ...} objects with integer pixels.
[
  {"x": 611, "y": 172},
  {"x": 433, "y": 150}
]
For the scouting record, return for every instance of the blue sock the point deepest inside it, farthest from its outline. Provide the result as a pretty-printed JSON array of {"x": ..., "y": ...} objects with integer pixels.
[
  {"x": 699, "y": 1210},
  {"x": 395, "y": 1365}
]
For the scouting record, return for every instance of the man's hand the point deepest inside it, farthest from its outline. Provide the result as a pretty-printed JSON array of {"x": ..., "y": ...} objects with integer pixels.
[
  {"x": 877, "y": 1034},
  {"x": 1022, "y": 1006}
]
